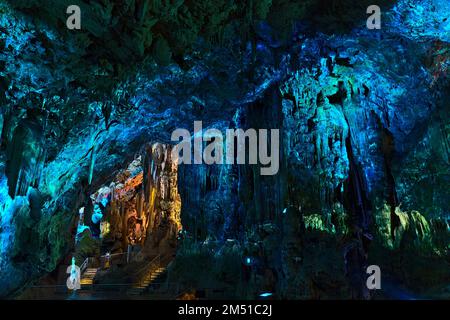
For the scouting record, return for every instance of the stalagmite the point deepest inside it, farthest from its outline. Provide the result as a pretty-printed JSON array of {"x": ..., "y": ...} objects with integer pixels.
[{"x": 147, "y": 166}]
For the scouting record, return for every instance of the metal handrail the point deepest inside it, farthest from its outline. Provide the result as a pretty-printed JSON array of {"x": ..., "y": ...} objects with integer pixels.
[
  {"x": 149, "y": 265},
  {"x": 171, "y": 288},
  {"x": 114, "y": 254},
  {"x": 112, "y": 257},
  {"x": 84, "y": 265}
]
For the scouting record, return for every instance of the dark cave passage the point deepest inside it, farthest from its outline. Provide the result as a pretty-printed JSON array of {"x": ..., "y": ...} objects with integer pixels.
[{"x": 358, "y": 206}]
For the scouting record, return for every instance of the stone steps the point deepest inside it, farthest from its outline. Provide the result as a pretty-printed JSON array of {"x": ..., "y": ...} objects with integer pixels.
[
  {"x": 146, "y": 281},
  {"x": 88, "y": 276}
]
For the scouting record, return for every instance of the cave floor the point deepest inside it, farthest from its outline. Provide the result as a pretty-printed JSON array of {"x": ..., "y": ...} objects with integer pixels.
[{"x": 391, "y": 290}]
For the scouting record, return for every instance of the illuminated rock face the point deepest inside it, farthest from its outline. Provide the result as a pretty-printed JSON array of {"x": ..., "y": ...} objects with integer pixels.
[
  {"x": 364, "y": 158},
  {"x": 139, "y": 207}
]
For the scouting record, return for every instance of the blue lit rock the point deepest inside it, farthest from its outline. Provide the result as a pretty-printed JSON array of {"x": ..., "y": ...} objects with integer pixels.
[{"x": 364, "y": 123}]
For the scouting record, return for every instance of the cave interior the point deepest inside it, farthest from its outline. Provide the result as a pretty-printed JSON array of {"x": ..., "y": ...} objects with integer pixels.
[{"x": 89, "y": 180}]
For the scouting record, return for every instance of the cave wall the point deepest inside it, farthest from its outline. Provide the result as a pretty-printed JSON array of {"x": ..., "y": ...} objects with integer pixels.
[
  {"x": 352, "y": 120},
  {"x": 363, "y": 118}
]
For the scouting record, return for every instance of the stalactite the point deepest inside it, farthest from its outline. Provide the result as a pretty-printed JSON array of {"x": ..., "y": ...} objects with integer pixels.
[
  {"x": 92, "y": 163},
  {"x": 138, "y": 205},
  {"x": 147, "y": 165}
]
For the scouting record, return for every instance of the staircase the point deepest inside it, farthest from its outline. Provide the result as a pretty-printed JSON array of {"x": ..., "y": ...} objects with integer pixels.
[
  {"x": 147, "y": 276},
  {"x": 146, "y": 281},
  {"x": 87, "y": 278}
]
